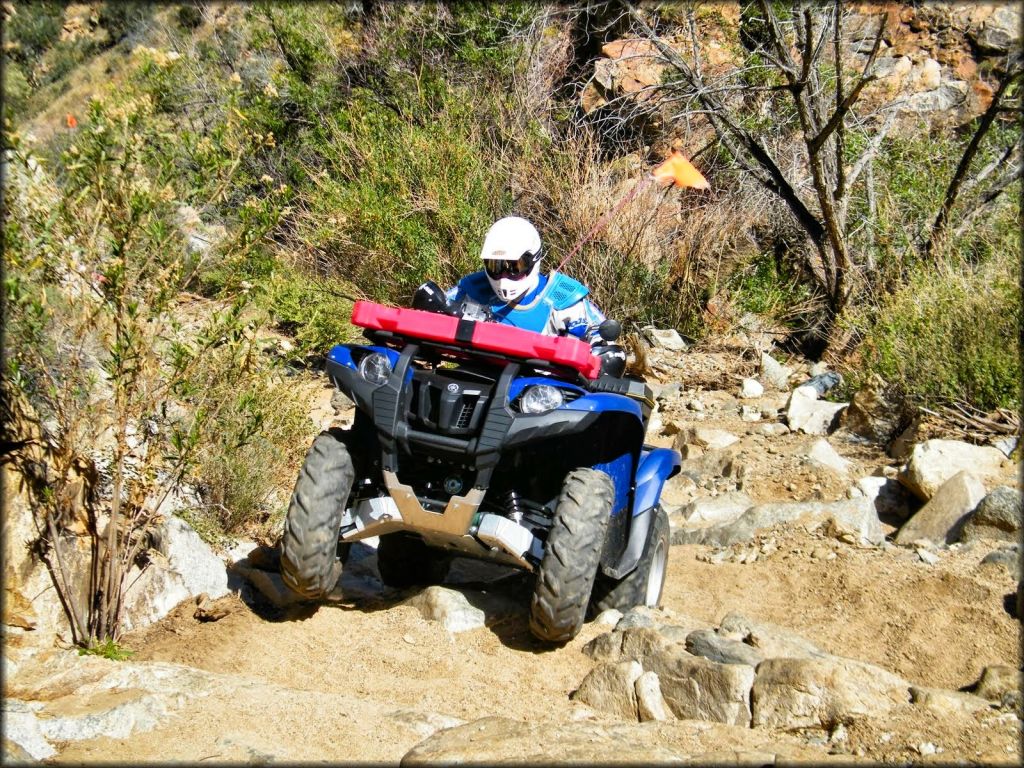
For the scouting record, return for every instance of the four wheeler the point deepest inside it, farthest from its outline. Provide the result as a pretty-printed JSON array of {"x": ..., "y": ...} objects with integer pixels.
[{"x": 477, "y": 439}]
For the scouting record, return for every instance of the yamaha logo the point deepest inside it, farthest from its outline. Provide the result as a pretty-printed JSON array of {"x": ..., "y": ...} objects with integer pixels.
[{"x": 453, "y": 387}]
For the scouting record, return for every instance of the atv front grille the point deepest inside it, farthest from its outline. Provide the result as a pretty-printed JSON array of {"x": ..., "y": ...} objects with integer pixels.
[{"x": 446, "y": 405}]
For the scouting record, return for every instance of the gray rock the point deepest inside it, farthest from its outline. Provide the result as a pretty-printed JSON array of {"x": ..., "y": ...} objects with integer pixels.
[
  {"x": 941, "y": 519},
  {"x": 638, "y": 616},
  {"x": 716, "y": 647},
  {"x": 933, "y": 462},
  {"x": 665, "y": 339},
  {"x": 998, "y": 516},
  {"x": 749, "y": 388},
  {"x": 873, "y": 413},
  {"x": 697, "y": 689},
  {"x": 1000, "y": 32},
  {"x": 712, "y": 510},
  {"x": 453, "y": 608},
  {"x": 611, "y": 687},
  {"x": 996, "y": 681},
  {"x": 768, "y": 639},
  {"x": 774, "y": 430},
  {"x": 805, "y": 413},
  {"x": 706, "y": 438},
  {"x": 819, "y": 693},
  {"x": 823, "y": 382},
  {"x": 823, "y": 453},
  {"x": 773, "y": 373},
  {"x": 1007, "y": 558},
  {"x": 606, "y": 647},
  {"x": 644, "y": 643},
  {"x": 1007, "y": 445},
  {"x": 857, "y": 515},
  {"x": 650, "y": 703},
  {"x": 947, "y": 703}
]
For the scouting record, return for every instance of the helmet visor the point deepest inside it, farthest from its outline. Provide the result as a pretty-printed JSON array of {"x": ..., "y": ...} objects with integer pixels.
[{"x": 512, "y": 269}]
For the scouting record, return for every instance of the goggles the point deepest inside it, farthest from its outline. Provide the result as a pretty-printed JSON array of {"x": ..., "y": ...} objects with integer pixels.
[{"x": 512, "y": 269}]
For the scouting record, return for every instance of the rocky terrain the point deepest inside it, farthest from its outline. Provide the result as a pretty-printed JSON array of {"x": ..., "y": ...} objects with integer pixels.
[{"x": 824, "y": 602}]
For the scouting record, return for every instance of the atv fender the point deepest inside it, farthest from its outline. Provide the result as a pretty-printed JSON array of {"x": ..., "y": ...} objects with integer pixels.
[{"x": 656, "y": 466}]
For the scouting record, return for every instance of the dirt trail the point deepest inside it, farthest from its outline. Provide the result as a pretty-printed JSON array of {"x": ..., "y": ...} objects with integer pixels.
[{"x": 934, "y": 625}]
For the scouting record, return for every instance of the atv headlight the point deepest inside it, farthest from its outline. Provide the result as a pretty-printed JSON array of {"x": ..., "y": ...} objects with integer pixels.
[
  {"x": 375, "y": 368},
  {"x": 541, "y": 398}
]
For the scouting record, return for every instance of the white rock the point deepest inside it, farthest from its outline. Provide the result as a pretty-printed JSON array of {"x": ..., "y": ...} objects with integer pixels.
[
  {"x": 823, "y": 453},
  {"x": 650, "y": 703},
  {"x": 750, "y": 413},
  {"x": 707, "y": 438},
  {"x": 774, "y": 374},
  {"x": 666, "y": 338},
  {"x": 449, "y": 607},
  {"x": 750, "y": 388},
  {"x": 609, "y": 617},
  {"x": 805, "y": 413},
  {"x": 774, "y": 429},
  {"x": 933, "y": 462},
  {"x": 888, "y": 496},
  {"x": 22, "y": 727}
]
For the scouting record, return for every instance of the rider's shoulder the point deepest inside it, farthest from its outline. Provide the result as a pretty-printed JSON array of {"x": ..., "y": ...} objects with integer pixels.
[
  {"x": 476, "y": 286},
  {"x": 563, "y": 291}
]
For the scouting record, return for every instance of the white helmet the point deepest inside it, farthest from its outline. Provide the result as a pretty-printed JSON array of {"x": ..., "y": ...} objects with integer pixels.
[{"x": 511, "y": 255}]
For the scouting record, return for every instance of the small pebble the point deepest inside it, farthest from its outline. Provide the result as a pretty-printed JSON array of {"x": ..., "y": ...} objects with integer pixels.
[{"x": 928, "y": 557}]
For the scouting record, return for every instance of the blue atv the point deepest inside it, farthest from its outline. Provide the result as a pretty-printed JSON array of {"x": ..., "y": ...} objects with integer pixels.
[{"x": 482, "y": 440}]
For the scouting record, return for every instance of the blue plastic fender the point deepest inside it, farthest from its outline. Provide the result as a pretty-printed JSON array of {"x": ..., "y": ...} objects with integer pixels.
[{"x": 656, "y": 466}]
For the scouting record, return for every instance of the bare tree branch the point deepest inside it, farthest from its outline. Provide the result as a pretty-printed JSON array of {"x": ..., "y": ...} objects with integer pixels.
[
  {"x": 867, "y": 75},
  {"x": 1013, "y": 72}
]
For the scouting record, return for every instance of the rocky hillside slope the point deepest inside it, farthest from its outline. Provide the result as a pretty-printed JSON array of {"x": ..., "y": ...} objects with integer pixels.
[{"x": 824, "y": 602}]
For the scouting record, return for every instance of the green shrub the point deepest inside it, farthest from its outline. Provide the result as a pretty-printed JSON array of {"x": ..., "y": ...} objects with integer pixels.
[
  {"x": 310, "y": 309},
  {"x": 952, "y": 335}
]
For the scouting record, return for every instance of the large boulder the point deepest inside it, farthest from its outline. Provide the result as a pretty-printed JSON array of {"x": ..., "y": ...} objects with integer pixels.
[
  {"x": 806, "y": 413},
  {"x": 933, "y": 462},
  {"x": 712, "y": 510},
  {"x": 820, "y": 693},
  {"x": 768, "y": 639},
  {"x": 998, "y": 516},
  {"x": 696, "y": 688},
  {"x": 857, "y": 516},
  {"x": 611, "y": 687},
  {"x": 181, "y": 567},
  {"x": 941, "y": 519},
  {"x": 873, "y": 413}
]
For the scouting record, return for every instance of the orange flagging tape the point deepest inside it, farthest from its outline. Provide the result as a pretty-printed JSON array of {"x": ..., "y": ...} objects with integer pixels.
[{"x": 679, "y": 171}]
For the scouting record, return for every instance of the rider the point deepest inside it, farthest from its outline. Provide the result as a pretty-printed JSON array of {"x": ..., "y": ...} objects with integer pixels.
[{"x": 511, "y": 288}]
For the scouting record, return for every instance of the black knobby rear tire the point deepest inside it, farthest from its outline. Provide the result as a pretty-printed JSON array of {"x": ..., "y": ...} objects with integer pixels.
[
  {"x": 645, "y": 583},
  {"x": 309, "y": 546},
  {"x": 565, "y": 576},
  {"x": 405, "y": 561}
]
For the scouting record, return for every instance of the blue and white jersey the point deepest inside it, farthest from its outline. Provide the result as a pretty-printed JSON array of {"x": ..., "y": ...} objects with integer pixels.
[{"x": 558, "y": 306}]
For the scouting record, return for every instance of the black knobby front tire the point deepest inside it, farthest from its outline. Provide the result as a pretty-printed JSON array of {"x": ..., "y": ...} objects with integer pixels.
[
  {"x": 645, "y": 583},
  {"x": 565, "y": 576},
  {"x": 309, "y": 546},
  {"x": 405, "y": 561}
]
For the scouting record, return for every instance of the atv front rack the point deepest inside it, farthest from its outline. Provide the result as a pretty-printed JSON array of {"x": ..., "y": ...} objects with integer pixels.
[{"x": 483, "y": 336}]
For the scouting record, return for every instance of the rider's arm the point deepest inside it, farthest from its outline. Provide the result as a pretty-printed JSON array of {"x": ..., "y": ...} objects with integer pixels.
[{"x": 580, "y": 320}]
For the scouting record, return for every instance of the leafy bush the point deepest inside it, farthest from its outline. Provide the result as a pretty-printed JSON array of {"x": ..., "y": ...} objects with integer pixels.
[{"x": 952, "y": 336}]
